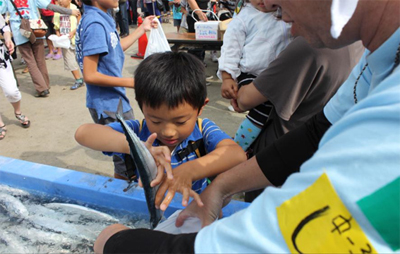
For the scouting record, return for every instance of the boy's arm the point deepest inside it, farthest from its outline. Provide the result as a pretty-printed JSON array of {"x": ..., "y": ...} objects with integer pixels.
[
  {"x": 146, "y": 26},
  {"x": 101, "y": 138},
  {"x": 92, "y": 76},
  {"x": 226, "y": 155}
]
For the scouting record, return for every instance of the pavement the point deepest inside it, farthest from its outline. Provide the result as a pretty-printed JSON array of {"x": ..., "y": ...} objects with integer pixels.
[{"x": 54, "y": 120}]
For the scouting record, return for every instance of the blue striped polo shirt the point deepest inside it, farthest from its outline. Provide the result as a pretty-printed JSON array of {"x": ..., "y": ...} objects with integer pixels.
[{"x": 211, "y": 135}]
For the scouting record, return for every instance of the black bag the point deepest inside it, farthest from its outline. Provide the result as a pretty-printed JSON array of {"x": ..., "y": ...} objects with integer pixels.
[{"x": 160, "y": 5}]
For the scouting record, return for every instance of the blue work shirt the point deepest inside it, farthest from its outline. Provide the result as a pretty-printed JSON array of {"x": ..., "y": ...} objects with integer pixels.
[
  {"x": 96, "y": 35},
  {"x": 211, "y": 135}
]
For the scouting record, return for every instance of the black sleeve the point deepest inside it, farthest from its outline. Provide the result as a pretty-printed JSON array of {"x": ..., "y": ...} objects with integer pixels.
[
  {"x": 149, "y": 241},
  {"x": 286, "y": 154}
]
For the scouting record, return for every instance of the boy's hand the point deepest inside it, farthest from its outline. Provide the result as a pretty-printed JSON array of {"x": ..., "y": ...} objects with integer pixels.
[
  {"x": 181, "y": 182},
  {"x": 229, "y": 89},
  {"x": 149, "y": 22},
  {"x": 162, "y": 156}
]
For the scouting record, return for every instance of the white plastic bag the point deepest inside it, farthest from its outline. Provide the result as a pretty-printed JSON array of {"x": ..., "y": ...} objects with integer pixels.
[
  {"x": 191, "y": 225},
  {"x": 157, "y": 41},
  {"x": 60, "y": 42}
]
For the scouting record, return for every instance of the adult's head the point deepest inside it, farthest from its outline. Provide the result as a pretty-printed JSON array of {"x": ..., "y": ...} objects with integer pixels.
[{"x": 372, "y": 22}]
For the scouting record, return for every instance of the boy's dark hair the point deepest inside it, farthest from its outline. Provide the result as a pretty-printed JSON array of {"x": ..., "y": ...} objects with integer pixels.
[
  {"x": 87, "y": 2},
  {"x": 170, "y": 78}
]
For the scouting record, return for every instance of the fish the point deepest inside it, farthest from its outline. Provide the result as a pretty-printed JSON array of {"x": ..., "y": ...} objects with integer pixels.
[
  {"x": 145, "y": 165},
  {"x": 84, "y": 212},
  {"x": 13, "y": 206}
]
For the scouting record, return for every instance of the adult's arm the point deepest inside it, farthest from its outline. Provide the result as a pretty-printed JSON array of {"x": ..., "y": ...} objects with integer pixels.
[
  {"x": 249, "y": 97},
  {"x": 269, "y": 167},
  {"x": 285, "y": 156},
  {"x": 193, "y": 5}
]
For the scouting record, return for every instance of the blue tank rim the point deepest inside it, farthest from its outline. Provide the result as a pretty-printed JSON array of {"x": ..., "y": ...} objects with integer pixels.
[{"x": 86, "y": 188}]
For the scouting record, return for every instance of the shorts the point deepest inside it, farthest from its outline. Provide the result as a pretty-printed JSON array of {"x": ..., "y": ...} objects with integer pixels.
[
  {"x": 177, "y": 22},
  {"x": 70, "y": 63}
]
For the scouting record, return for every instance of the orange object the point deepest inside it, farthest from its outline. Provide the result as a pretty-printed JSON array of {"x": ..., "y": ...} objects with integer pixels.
[{"x": 142, "y": 43}]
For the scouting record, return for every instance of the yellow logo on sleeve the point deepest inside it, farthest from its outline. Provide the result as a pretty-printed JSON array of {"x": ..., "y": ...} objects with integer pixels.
[{"x": 316, "y": 221}]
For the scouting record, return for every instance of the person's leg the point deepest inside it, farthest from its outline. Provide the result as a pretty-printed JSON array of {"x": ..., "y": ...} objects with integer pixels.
[
  {"x": 149, "y": 7},
  {"x": 38, "y": 52},
  {"x": 125, "y": 21},
  {"x": 9, "y": 86},
  {"x": 120, "y": 239},
  {"x": 246, "y": 133},
  {"x": 3, "y": 129},
  {"x": 48, "y": 20},
  {"x": 133, "y": 6},
  {"x": 37, "y": 78}
]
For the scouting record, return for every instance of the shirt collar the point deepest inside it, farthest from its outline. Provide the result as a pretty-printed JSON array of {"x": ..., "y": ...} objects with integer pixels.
[
  {"x": 105, "y": 15},
  {"x": 381, "y": 61}
]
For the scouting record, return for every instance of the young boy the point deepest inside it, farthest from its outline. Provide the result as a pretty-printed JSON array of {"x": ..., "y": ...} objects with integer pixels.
[
  {"x": 66, "y": 25},
  {"x": 177, "y": 14},
  {"x": 171, "y": 99},
  {"x": 100, "y": 55}
]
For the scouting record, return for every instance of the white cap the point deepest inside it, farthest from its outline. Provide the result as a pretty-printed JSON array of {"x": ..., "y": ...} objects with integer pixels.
[{"x": 341, "y": 12}]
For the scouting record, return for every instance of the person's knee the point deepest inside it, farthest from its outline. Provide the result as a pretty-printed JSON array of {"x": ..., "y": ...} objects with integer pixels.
[
  {"x": 13, "y": 95},
  {"x": 105, "y": 235}
]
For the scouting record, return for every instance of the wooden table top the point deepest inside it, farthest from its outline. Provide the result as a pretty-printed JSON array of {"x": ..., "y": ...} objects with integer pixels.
[{"x": 189, "y": 38}]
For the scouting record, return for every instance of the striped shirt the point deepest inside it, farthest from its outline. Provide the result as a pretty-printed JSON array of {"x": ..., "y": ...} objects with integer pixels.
[{"x": 211, "y": 135}]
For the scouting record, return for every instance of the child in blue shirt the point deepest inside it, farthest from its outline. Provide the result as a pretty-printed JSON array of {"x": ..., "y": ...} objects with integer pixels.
[
  {"x": 177, "y": 14},
  {"x": 100, "y": 55},
  {"x": 171, "y": 99}
]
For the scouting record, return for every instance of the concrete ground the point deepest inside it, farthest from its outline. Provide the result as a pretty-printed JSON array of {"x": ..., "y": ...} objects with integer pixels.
[{"x": 54, "y": 120}]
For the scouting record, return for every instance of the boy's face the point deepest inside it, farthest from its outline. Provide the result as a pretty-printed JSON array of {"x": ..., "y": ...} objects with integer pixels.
[
  {"x": 259, "y": 5},
  {"x": 64, "y": 3},
  {"x": 171, "y": 125},
  {"x": 104, "y": 5}
]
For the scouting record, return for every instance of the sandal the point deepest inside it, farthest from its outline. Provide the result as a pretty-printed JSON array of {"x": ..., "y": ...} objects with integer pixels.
[
  {"x": 22, "y": 119},
  {"x": 3, "y": 131},
  {"x": 44, "y": 93}
]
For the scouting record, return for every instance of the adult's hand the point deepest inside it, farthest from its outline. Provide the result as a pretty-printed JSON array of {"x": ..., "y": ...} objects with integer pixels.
[
  {"x": 202, "y": 16},
  {"x": 9, "y": 44},
  {"x": 235, "y": 106},
  {"x": 76, "y": 12},
  {"x": 213, "y": 202}
]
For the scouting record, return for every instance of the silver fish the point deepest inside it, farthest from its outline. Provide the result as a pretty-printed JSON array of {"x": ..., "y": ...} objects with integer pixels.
[
  {"x": 145, "y": 165},
  {"x": 13, "y": 206}
]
